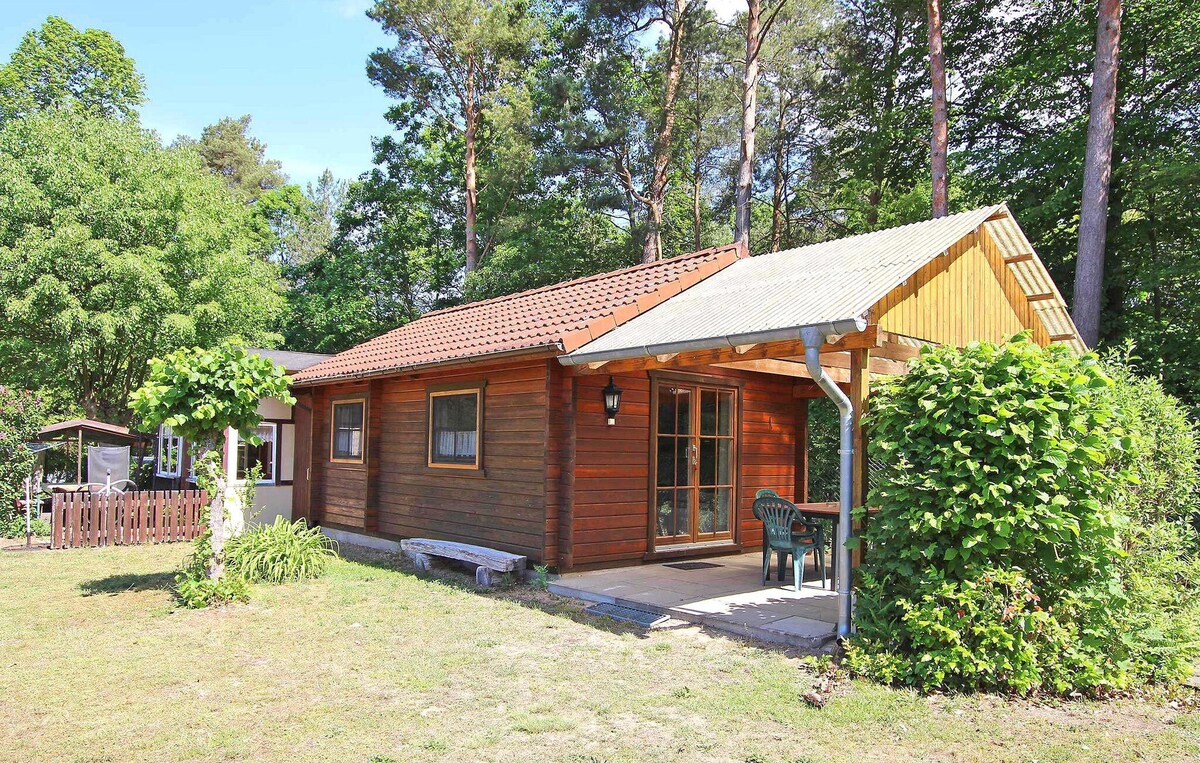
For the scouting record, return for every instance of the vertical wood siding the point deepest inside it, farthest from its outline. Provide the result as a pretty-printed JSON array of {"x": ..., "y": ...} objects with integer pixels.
[{"x": 967, "y": 294}]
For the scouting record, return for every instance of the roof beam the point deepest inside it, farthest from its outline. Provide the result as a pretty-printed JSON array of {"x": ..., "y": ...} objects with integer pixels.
[
  {"x": 1017, "y": 258},
  {"x": 1041, "y": 297},
  {"x": 730, "y": 354}
]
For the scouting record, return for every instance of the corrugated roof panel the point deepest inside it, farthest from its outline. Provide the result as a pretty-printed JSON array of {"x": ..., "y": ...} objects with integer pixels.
[{"x": 822, "y": 283}]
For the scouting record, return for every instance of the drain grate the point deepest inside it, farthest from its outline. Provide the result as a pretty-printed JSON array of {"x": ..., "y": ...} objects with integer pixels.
[
  {"x": 693, "y": 565},
  {"x": 627, "y": 614}
]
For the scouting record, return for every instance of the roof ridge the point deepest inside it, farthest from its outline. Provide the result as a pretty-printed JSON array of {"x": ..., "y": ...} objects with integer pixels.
[
  {"x": 991, "y": 209},
  {"x": 582, "y": 279}
]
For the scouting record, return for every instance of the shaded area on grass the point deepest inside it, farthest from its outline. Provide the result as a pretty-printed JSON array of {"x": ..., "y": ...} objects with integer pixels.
[{"x": 128, "y": 583}]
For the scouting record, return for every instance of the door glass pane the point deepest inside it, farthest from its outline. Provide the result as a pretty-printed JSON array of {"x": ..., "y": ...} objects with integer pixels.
[
  {"x": 683, "y": 512},
  {"x": 708, "y": 506},
  {"x": 724, "y": 509},
  {"x": 683, "y": 409},
  {"x": 683, "y": 469},
  {"x": 708, "y": 461},
  {"x": 666, "y": 461},
  {"x": 666, "y": 410},
  {"x": 725, "y": 417},
  {"x": 724, "y": 462},
  {"x": 708, "y": 412},
  {"x": 664, "y": 513}
]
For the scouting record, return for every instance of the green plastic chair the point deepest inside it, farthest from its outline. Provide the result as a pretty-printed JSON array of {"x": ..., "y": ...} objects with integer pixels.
[
  {"x": 778, "y": 515},
  {"x": 815, "y": 530}
]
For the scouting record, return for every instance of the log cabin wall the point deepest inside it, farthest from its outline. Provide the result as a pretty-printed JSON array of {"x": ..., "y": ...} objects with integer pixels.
[
  {"x": 338, "y": 491},
  {"x": 395, "y": 494},
  {"x": 610, "y": 508}
]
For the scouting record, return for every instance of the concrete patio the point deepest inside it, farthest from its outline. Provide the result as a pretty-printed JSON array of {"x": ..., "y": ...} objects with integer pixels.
[{"x": 728, "y": 597}]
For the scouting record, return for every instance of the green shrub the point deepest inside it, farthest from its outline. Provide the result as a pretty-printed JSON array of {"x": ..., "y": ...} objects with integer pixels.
[
  {"x": 279, "y": 552},
  {"x": 994, "y": 501},
  {"x": 1161, "y": 569},
  {"x": 15, "y": 527},
  {"x": 22, "y": 414},
  {"x": 1163, "y": 460}
]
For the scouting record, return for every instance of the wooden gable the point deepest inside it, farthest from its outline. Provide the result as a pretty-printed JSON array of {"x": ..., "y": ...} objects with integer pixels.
[{"x": 967, "y": 294}]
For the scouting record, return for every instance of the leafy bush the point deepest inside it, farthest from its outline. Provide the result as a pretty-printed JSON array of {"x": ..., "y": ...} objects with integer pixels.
[
  {"x": 995, "y": 502},
  {"x": 1164, "y": 460},
  {"x": 1161, "y": 569},
  {"x": 280, "y": 552},
  {"x": 22, "y": 414},
  {"x": 14, "y": 527}
]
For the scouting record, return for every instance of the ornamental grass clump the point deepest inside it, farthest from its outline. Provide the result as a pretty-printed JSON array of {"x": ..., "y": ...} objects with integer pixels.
[
  {"x": 993, "y": 560},
  {"x": 280, "y": 552}
]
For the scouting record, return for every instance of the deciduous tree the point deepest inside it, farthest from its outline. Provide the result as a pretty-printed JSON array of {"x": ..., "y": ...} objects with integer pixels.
[
  {"x": 60, "y": 67},
  {"x": 114, "y": 249}
]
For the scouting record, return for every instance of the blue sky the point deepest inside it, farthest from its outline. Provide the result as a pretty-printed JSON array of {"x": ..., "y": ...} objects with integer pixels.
[{"x": 299, "y": 68}]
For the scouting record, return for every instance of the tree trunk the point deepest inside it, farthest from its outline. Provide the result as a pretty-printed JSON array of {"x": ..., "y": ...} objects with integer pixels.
[
  {"x": 745, "y": 179},
  {"x": 471, "y": 118},
  {"x": 697, "y": 165},
  {"x": 879, "y": 166},
  {"x": 657, "y": 193},
  {"x": 777, "y": 193},
  {"x": 697, "y": 218},
  {"x": 216, "y": 523},
  {"x": 1097, "y": 169},
  {"x": 939, "y": 137}
]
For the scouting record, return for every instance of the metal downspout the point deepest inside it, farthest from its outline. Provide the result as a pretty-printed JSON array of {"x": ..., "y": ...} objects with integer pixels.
[{"x": 813, "y": 338}]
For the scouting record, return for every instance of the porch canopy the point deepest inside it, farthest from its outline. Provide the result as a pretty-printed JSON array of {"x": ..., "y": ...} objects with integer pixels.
[
  {"x": 78, "y": 432},
  {"x": 839, "y": 311}
]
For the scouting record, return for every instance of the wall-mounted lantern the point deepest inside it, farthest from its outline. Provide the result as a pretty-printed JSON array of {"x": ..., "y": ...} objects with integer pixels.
[{"x": 612, "y": 401}]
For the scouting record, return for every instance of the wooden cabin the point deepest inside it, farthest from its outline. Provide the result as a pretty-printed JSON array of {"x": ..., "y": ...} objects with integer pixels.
[{"x": 487, "y": 423}]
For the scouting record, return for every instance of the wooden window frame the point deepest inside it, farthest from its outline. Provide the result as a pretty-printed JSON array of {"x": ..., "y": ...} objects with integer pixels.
[
  {"x": 333, "y": 404},
  {"x": 435, "y": 391}
]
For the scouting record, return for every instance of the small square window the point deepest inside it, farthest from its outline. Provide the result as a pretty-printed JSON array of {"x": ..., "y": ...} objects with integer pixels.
[
  {"x": 454, "y": 429},
  {"x": 347, "y": 440}
]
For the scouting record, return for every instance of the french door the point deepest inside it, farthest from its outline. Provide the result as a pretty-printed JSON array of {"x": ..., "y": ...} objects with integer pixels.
[{"x": 695, "y": 449}]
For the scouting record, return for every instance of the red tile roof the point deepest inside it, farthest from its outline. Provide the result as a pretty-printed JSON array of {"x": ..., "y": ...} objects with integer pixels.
[{"x": 560, "y": 317}]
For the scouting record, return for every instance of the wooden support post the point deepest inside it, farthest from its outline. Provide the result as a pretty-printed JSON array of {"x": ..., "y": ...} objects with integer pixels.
[
  {"x": 860, "y": 361},
  {"x": 801, "y": 491}
]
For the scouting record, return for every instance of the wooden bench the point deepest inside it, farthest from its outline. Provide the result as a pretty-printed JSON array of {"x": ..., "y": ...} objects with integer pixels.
[{"x": 491, "y": 563}]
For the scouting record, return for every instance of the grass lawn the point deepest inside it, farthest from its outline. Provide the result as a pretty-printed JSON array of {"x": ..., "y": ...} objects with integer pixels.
[{"x": 372, "y": 663}]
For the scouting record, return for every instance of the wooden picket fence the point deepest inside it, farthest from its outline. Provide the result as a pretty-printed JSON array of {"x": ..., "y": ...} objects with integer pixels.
[{"x": 114, "y": 519}]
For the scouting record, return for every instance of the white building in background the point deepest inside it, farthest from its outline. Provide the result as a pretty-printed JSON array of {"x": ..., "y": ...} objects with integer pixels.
[{"x": 275, "y": 455}]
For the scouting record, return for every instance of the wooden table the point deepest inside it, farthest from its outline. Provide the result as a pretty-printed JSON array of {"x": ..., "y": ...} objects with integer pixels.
[{"x": 825, "y": 512}]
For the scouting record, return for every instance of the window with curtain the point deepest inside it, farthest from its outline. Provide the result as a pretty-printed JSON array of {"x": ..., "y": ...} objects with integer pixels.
[
  {"x": 262, "y": 454},
  {"x": 170, "y": 453},
  {"x": 454, "y": 424},
  {"x": 347, "y": 436}
]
